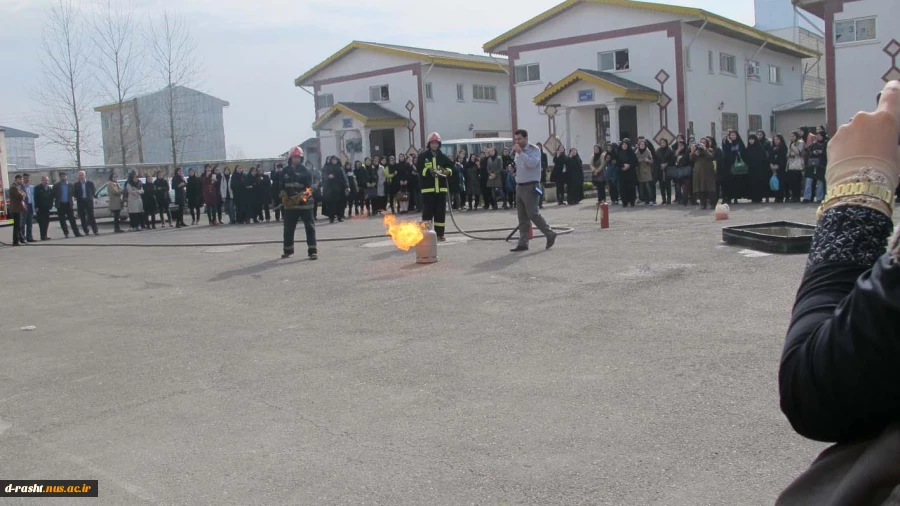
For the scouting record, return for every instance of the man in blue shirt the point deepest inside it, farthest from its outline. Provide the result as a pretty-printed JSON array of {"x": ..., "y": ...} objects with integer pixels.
[
  {"x": 62, "y": 194},
  {"x": 528, "y": 190}
]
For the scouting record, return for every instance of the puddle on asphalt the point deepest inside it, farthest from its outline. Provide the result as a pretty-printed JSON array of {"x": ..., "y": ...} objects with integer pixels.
[
  {"x": 780, "y": 231},
  {"x": 226, "y": 249}
]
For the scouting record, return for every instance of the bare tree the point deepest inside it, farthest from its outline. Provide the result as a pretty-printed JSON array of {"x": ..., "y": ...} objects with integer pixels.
[
  {"x": 118, "y": 59},
  {"x": 172, "y": 52},
  {"x": 235, "y": 152},
  {"x": 66, "y": 85}
]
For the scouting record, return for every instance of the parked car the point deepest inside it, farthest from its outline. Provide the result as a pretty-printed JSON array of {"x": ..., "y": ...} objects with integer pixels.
[{"x": 101, "y": 201}]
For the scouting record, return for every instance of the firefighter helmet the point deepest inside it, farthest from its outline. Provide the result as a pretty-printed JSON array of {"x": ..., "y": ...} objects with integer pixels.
[
  {"x": 296, "y": 151},
  {"x": 434, "y": 137}
]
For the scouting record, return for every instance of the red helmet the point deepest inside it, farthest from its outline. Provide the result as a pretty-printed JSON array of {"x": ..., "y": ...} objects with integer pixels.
[
  {"x": 295, "y": 151},
  {"x": 434, "y": 137}
]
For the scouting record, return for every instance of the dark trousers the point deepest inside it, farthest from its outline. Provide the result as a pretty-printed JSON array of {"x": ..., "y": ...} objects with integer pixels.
[
  {"x": 135, "y": 220},
  {"x": 391, "y": 197},
  {"x": 28, "y": 223},
  {"x": 335, "y": 205},
  {"x": 291, "y": 218},
  {"x": 195, "y": 213},
  {"x": 86, "y": 215},
  {"x": 560, "y": 192},
  {"x": 614, "y": 190},
  {"x": 646, "y": 191},
  {"x": 179, "y": 215},
  {"x": 665, "y": 190},
  {"x": 511, "y": 197},
  {"x": 264, "y": 209},
  {"x": 116, "y": 221},
  {"x": 211, "y": 213},
  {"x": 628, "y": 192},
  {"x": 43, "y": 219},
  {"x": 164, "y": 214},
  {"x": 65, "y": 214},
  {"x": 434, "y": 207},
  {"x": 601, "y": 190},
  {"x": 150, "y": 218},
  {"x": 490, "y": 198},
  {"x": 793, "y": 185},
  {"x": 17, "y": 227},
  {"x": 276, "y": 203}
]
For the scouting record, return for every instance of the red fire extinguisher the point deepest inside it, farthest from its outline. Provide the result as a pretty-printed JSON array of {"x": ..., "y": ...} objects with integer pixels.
[
  {"x": 604, "y": 215},
  {"x": 530, "y": 231}
]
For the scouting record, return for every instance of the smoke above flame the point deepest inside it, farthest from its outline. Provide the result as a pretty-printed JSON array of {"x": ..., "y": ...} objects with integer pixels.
[{"x": 406, "y": 234}]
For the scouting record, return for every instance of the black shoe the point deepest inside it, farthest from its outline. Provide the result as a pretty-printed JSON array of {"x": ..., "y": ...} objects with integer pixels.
[
  {"x": 551, "y": 240},
  {"x": 313, "y": 256},
  {"x": 31, "y": 240},
  {"x": 330, "y": 220},
  {"x": 340, "y": 220},
  {"x": 441, "y": 238},
  {"x": 519, "y": 249},
  {"x": 286, "y": 255}
]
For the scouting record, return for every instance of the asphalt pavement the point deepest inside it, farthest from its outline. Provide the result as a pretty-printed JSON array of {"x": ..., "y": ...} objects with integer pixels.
[{"x": 629, "y": 366}]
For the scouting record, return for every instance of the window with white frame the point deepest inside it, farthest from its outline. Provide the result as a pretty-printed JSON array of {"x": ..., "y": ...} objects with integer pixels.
[
  {"x": 460, "y": 93},
  {"x": 379, "y": 93},
  {"x": 753, "y": 69},
  {"x": 774, "y": 74},
  {"x": 528, "y": 73},
  {"x": 324, "y": 101},
  {"x": 711, "y": 58},
  {"x": 687, "y": 58},
  {"x": 854, "y": 30},
  {"x": 611, "y": 61},
  {"x": 429, "y": 91},
  {"x": 727, "y": 64},
  {"x": 482, "y": 92}
]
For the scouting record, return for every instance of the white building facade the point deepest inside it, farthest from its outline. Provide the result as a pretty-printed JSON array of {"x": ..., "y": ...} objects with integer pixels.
[
  {"x": 862, "y": 52},
  {"x": 382, "y": 100},
  {"x": 592, "y": 71}
]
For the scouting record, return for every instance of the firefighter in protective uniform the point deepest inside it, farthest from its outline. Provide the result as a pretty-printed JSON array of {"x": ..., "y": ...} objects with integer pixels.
[
  {"x": 435, "y": 168},
  {"x": 297, "y": 202}
]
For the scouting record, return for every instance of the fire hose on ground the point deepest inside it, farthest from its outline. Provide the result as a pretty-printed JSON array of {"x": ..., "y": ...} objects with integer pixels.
[{"x": 460, "y": 230}]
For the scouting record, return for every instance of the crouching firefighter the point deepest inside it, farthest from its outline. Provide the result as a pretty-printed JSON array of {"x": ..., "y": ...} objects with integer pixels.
[
  {"x": 435, "y": 168},
  {"x": 297, "y": 202}
]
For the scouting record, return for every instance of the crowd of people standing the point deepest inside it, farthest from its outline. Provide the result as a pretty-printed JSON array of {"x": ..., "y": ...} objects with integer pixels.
[{"x": 703, "y": 172}]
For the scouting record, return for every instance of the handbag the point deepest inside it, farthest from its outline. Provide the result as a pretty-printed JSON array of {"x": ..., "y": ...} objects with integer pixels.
[
  {"x": 684, "y": 172},
  {"x": 671, "y": 172},
  {"x": 795, "y": 164},
  {"x": 774, "y": 184},
  {"x": 740, "y": 167}
]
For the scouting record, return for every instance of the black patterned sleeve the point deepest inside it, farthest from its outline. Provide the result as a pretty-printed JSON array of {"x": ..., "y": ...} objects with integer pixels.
[
  {"x": 850, "y": 234},
  {"x": 839, "y": 378}
]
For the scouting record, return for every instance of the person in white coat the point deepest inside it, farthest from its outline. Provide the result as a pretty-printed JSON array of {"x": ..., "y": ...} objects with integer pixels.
[{"x": 133, "y": 195}]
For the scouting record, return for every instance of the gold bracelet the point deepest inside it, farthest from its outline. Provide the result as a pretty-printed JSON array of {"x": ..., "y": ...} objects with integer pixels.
[{"x": 860, "y": 189}]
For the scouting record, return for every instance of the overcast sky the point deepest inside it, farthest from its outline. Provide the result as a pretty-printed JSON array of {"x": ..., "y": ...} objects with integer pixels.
[{"x": 251, "y": 51}]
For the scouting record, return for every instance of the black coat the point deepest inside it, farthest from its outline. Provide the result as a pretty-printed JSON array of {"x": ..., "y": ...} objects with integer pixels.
[
  {"x": 779, "y": 157},
  {"x": 263, "y": 188},
  {"x": 758, "y": 172},
  {"x": 43, "y": 198},
  {"x": 559, "y": 173},
  {"x": 161, "y": 191},
  {"x": 838, "y": 375},
  {"x": 177, "y": 181},
  {"x": 193, "y": 192},
  {"x": 91, "y": 190},
  {"x": 148, "y": 198},
  {"x": 334, "y": 181},
  {"x": 57, "y": 194},
  {"x": 627, "y": 177},
  {"x": 275, "y": 176}
]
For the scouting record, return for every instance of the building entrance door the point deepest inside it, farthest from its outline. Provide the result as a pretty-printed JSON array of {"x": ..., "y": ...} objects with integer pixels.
[{"x": 381, "y": 143}]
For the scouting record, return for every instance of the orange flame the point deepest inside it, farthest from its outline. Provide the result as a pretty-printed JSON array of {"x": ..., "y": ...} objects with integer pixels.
[{"x": 406, "y": 234}]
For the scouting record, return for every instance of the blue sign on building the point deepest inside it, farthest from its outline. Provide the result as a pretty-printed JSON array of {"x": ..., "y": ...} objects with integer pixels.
[
  {"x": 348, "y": 122},
  {"x": 586, "y": 96}
]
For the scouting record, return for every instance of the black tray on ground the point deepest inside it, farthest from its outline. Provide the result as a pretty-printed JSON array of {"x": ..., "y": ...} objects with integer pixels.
[{"x": 783, "y": 237}]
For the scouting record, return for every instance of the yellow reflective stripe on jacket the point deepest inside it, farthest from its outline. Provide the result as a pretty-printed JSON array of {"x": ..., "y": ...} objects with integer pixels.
[{"x": 436, "y": 224}]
